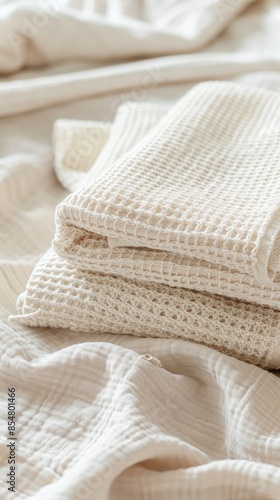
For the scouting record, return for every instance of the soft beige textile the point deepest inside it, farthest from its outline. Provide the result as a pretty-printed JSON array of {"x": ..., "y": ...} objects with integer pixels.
[
  {"x": 99, "y": 420},
  {"x": 154, "y": 28},
  {"x": 89, "y": 251},
  {"x": 203, "y": 183},
  {"x": 50, "y": 40},
  {"x": 77, "y": 396},
  {"x": 60, "y": 296},
  {"x": 77, "y": 146},
  {"x": 80, "y": 145}
]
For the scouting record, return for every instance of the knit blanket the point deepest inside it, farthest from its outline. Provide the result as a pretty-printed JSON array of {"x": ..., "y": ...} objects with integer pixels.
[{"x": 172, "y": 229}]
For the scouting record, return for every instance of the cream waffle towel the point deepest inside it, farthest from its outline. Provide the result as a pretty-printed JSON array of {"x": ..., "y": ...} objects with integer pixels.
[
  {"x": 61, "y": 296},
  {"x": 204, "y": 183},
  {"x": 77, "y": 144},
  {"x": 206, "y": 153}
]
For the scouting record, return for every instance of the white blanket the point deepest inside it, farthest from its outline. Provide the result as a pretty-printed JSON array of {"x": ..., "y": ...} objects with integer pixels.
[{"x": 95, "y": 417}]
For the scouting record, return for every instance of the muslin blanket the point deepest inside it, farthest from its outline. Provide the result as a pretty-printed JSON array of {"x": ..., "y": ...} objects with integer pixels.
[{"x": 157, "y": 189}]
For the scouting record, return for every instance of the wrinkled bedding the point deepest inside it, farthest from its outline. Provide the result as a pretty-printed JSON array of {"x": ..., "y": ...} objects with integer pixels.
[{"x": 99, "y": 415}]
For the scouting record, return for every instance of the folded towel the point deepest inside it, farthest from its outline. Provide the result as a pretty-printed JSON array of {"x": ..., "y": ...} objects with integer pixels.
[
  {"x": 194, "y": 229},
  {"x": 90, "y": 251},
  {"x": 61, "y": 296},
  {"x": 203, "y": 183},
  {"x": 77, "y": 145}
]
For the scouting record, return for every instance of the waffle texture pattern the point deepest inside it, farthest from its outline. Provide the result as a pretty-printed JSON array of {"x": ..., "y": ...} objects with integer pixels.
[
  {"x": 102, "y": 277},
  {"x": 59, "y": 295},
  {"x": 77, "y": 145},
  {"x": 203, "y": 183},
  {"x": 91, "y": 251}
]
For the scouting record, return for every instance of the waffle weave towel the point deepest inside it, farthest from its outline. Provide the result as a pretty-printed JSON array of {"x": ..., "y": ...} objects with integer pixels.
[
  {"x": 203, "y": 183},
  {"x": 61, "y": 296},
  {"x": 90, "y": 251},
  {"x": 159, "y": 184}
]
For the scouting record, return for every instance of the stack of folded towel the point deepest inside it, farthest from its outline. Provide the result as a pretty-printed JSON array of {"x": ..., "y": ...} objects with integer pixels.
[{"x": 173, "y": 225}]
